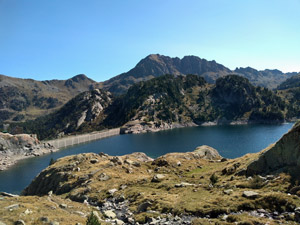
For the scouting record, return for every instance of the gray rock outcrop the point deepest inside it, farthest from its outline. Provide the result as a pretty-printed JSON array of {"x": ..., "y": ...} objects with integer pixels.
[
  {"x": 15, "y": 147},
  {"x": 284, "y": 156}
]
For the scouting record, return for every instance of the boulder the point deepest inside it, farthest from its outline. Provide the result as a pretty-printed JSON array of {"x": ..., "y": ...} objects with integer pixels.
[
  {"x": 250, "y": 194},
  {"x": 158, "y": 178},
  {"x": 207, "y": 152},
  {"x": 144, "y": 206},
  {"x": 109, "y": 214},
  {"x": 20, "y": 222}
]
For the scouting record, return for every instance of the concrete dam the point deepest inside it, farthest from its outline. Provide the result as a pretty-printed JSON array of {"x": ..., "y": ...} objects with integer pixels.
[{"x": 82, "y": 138}]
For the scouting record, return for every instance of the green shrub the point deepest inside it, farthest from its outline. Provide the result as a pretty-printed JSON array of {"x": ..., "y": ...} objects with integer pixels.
[
  {"x": 214, "y": 179},
  {"x": 92, "y": 220}
]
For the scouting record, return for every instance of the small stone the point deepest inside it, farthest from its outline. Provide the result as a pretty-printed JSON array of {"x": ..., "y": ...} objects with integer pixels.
[
  {"x": 109, "y": 214},
  {"x": 79, "y": 213},
  {"x": 178, "y": 163},
  {"x": 144, "y": 206},
  {"x": 44, "y": 219},
  {"x": 27, "y": 212},
  {"x": 119, "y": 222},
  {"x": 120, "y": 199},
  {"x": 54, "y": 223},
  {"x": 136, "y": 164},
  {"x": 103, "y": 177},
  {"x": 63, "y": 206},
  {"x": 158, "y": 178},
  {"x": 250, "y": 194},
  {"x": 116, "y": 160},
  {"x": 183, "y": 184},
  {"x": 12, "y": 207},
  {"x": 224, "y": 160},
  {"x": 20, "y": 222},
  {"x": 93, "y": 161},
  {"x": 112, "y": 191},
  {"x": 228, "y": 191},
  {"x": 224, "y": 218},
  {"x": 130, "y": 220},
  {"x": 50, "y": 193}
]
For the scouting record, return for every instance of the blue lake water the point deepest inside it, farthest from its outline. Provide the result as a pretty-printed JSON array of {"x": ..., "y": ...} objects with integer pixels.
[{"x": 231, "y": 141}]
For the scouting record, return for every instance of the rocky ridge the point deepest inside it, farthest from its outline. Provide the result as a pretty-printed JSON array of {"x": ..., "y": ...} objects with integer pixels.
[{"x": 20, "y": 146}]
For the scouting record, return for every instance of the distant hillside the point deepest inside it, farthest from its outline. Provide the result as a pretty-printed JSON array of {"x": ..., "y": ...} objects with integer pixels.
[
  {"x": 162, "y": 103},
  {"x": 157, "y": 65},
  {"x": 265, "y": 78},
  {"x": 292, "y": 82},
  {"x": 22, "y": 99},
  {"x": 83, "y": 113},
  {"x": 290, "y": 90}
]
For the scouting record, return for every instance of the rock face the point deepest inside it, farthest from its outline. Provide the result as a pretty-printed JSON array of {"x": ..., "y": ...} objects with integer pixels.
[
  {"x": 284, "y": 156},
  {"x": 15, "y": 147}
]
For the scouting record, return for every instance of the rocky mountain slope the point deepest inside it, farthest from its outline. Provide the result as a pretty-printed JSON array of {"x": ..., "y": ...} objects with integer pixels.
[
  {"x": 198, "y": 187},
  {"x": 156, "y": 65},
  {"x": 162, "y": 103},
  {"x": 83, "y": 113},
  {"x": 22, "y": 99},
  {"x": 16, "y": 147},
  {"x": 264, "y": 78}
]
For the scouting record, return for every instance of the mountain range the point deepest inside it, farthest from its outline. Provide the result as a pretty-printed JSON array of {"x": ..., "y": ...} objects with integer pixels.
[
  {"x": 156, "y": 65},
  {"x": 26, "y": 99},
  {"x": 161, "y": 103}
]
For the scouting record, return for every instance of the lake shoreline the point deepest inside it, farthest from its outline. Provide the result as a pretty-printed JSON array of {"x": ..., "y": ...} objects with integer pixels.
[{"x": 7, "y": 161}]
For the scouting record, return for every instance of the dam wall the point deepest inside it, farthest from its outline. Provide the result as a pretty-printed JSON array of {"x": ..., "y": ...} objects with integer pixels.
[{"x": 82, "y": 138}]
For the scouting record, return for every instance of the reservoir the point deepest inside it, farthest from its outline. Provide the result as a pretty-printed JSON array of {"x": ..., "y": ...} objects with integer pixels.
[{"x": 231, "y": 141}]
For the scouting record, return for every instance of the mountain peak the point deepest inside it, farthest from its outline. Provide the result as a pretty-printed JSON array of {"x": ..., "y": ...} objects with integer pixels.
[{"x": 79, "y": 77}]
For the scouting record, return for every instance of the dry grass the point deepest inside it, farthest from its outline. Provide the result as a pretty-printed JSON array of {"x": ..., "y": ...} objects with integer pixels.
[{"x": 199, "y": 198}]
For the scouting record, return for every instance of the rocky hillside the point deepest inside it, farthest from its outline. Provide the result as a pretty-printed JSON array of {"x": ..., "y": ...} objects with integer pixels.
[
  {"x": 16, "y": 147},
  {"x": 264, "y": 78},
  {"x": 292, "y": 82},
  {"x": 169, "y": 101},
  {"x": 198, "y": 187},
  {"x": 284, "y": 156},
  {"x": 22, "y": 99},
  {"x": 83, "y": 113},
  {"x": 162, "y": 103}
]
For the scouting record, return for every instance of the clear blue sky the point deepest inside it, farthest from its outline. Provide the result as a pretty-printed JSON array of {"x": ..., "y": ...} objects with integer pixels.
[{"x": 57, "y": 39}]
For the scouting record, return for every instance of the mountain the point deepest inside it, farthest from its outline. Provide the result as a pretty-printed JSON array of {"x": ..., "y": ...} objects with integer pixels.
[
  {"x": 156, "y": 65},
  {"x": 22, "y": 99},
  {"x": 162, "y": 103},
  {"x": 265, "y": 78}
]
